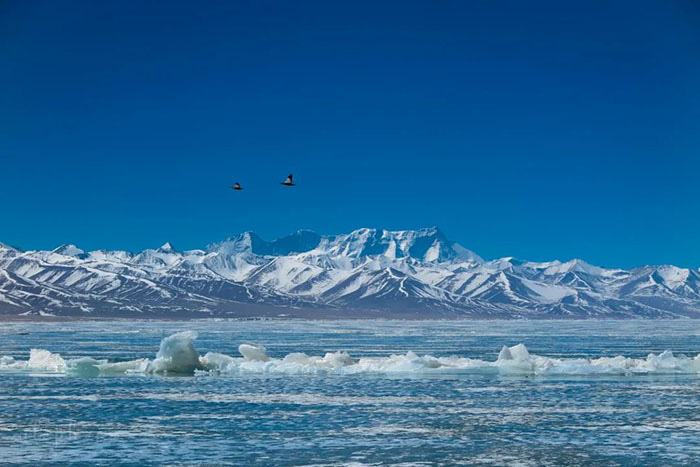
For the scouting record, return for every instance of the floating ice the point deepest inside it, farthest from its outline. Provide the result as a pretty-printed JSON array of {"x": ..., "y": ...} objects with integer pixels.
[
  {"x": 253, "y": 352},
  {"x": 515, "y": 359},
  {"x": 505, "y": 354},
  {"x": 87, "y": 367},
  {"x": 119, "y": 368},
  {"x": 9, "y": 363},
  {"x": 177, "y": 355},
  {"x": 40, "y": 359},
  {"x": 213, "y": 361}
]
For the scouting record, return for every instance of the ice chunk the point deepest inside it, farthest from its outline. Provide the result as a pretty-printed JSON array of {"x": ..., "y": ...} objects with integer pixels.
[
  {"x": 505, "y": 354},
  {"x": 40, "y": 359},
  {"x": 9, "y": 363},
  {"x": 90, "y": 367},
  {"x": 519, "y": 352},
  {"x": 177, "y": 355},
  {"x": 336, "y": 359},
  {"x": 213, "y": 361},
  {"x": 86, "y": 367},
  {"x": 297, "y": 358},
  {"x": 517, "y": 359},
  {"x": 119, "y": 368},
  {"x": 253, "y": 352}
]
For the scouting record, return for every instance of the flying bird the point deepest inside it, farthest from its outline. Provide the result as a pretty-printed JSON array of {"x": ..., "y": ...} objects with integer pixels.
[
  {"x": 236, "y": 186},
  {"x": 288, "y": 182}
]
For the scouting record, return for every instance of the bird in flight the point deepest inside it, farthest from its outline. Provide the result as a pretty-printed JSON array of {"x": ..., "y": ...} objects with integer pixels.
[
  {"x": 288, "y": 182},
  {"x": 236, "y": 186}
]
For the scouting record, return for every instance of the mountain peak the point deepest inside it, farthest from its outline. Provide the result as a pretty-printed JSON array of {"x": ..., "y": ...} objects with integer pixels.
[
  {"x": 434, "y": 230},
  {"x": 427, "y": 244},
  {"x": 69, "y": 250},
  {"x": 166, "y": 248}
]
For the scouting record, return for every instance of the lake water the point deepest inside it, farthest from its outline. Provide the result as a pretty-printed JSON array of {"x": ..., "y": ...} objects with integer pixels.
[{"x": 375, "y": 399}]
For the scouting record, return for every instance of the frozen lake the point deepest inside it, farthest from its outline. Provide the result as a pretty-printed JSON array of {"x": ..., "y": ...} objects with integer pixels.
[{"x": 353, "y": 392}]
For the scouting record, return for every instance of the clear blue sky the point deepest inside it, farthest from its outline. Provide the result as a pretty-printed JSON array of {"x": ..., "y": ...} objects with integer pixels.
[{"x": 541, "y": 130}]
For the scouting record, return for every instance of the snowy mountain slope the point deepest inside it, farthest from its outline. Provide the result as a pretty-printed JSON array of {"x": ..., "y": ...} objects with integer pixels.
[{"x": 367, "y": 272}]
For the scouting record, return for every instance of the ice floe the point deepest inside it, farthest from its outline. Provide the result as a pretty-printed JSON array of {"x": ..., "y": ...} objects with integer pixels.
[{"x": 178, "y": 355}]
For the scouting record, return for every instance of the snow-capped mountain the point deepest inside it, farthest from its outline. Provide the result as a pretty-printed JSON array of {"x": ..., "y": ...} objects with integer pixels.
[{"x": 368, "y": 272}]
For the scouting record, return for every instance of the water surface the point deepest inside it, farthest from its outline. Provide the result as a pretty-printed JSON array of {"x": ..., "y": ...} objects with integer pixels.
[{"x": 414, "y": 416}]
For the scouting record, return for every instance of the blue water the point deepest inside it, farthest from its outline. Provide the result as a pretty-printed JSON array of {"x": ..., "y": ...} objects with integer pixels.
[{"x": 358, "y": 419}]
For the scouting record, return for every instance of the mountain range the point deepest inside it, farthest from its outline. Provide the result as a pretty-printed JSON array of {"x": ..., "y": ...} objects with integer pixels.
[{"x": 366, "y": 273}]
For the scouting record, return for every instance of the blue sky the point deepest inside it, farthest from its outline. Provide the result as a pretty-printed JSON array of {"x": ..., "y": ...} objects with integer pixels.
[{"x": 539, "y": 130}]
